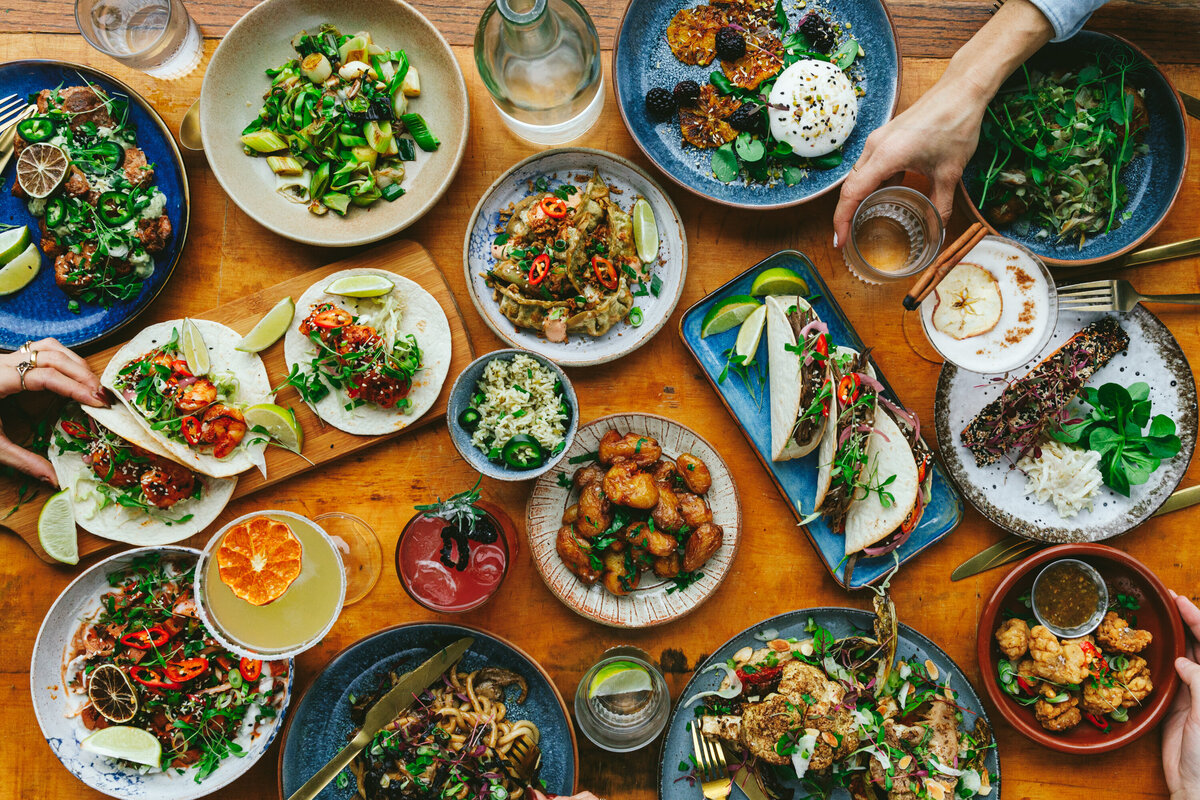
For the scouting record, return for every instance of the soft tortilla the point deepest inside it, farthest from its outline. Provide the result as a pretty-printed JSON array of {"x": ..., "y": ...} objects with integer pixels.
[
  {"x": 785, "y": 381},
  {"x": 423, "y": 318},
  {"x": 829, "y": 438},
  {"x": 868, "y": 521},
  {"x": 132, "y": 525},
  {"x": 253, "y": 387}
]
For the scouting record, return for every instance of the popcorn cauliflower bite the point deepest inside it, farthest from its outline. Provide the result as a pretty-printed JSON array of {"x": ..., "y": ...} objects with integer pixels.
[
  {"x": 1058, "y": 716},
  {"x": 1057, "y": 663},
  {"x": 1135, "y": 682},
  {"x": 1013, "y": 638},
  {"x": 1115, "y": 635},
  {"x": 1101, "y": 700}
]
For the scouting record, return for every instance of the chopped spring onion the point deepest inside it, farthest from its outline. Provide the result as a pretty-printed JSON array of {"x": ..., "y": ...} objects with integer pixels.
[{"x": 424, "y": 138}]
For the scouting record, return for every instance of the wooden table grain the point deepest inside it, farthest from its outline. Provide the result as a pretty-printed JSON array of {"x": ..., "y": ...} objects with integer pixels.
[{"x": 229, "y": 255}]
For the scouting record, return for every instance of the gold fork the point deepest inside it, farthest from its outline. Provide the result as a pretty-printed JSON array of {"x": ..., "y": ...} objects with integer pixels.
[
  {"x": 12, "y": 111},
  {"x": 525, "y": 757},
  {"x": 715, "y": 782}
]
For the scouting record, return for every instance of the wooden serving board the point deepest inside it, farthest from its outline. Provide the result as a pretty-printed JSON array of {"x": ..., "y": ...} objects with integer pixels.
[{"x": 322, "y": 442}]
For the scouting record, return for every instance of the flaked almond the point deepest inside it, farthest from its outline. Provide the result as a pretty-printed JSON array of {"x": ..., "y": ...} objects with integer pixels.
[
  {"x": 743, "y": 655},
  {"x": 806, "y": 648},
  {"x": 932, "y": 669},
  {"x": 985, "y": 781},
  {"x": 779, "y": 645},
  {"x": 936, "y": 790},
  {"x": 829, "y": 739},
  {"x": 904, "y": 762}
]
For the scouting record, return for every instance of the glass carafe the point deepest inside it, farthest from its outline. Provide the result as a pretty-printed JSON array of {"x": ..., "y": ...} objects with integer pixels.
[{"x": 540, "y": 59}]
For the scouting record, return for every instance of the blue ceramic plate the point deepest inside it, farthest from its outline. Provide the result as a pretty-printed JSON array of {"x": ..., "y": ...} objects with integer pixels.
[
  {"x": 677, "y": 745},
  {"x": 643, "y": 60},
  {"x": 40, "y": 309},
  {"x": 1152, "y": 179},
  {"x": 320, "y": 724},
  {"x": 797, "y": 479}
]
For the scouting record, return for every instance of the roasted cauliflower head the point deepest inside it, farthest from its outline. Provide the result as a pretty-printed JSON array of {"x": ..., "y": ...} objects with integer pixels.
[
  {"x": 1013, "y": 638},
  {"x": 1115, "y": 636}
]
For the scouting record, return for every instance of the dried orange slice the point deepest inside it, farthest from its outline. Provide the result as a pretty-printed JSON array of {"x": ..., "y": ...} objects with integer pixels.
[
  {"x": 692, "y": 34},
  {"x": 259, "y": 559},
  {"x": 41, "y": 168},
  {"x": 750, "y": 14},
  {"x": 112, "y": 694},
  {"x": 705, "y": 126},
  {"x": 763, "y": 60}
]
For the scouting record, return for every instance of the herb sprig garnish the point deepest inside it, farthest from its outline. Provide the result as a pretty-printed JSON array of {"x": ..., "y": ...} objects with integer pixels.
[{"x": 459, "y": 510}]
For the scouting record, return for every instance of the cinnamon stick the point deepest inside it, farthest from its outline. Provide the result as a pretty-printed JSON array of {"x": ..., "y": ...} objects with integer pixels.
[{"x": 942, "y": 265}]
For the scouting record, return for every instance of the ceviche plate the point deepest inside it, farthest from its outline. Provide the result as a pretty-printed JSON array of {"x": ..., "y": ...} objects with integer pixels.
[
  {"x": 627, "y": 182},
  {"x": 63, "y": 730},
  {"x": 676, "y": 759},
  {"x": 321, "y": 725},
  {"x": 40, "y": 308},
  {"x": 999, "y": 490}
]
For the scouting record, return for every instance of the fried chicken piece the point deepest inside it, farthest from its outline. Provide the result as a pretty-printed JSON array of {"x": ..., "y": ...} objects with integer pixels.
[
  {"x": 1099, "y": 699},
  {"x": 1115, "y": 635},
  {"x": 1027, "y": 669},
  {"x": 1058, "y": 717},
  {"x": 1054, "y": 661},
  {"x": 76, "y": 183},
  {"x": 1013, "y": 638},
  {"x": 692, "y": 34},
  {"x": 1135, "y": 682}
]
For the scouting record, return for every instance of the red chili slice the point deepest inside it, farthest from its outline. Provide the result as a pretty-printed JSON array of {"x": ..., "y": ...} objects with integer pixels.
[
  {"x": 180, "y": 367},
  {"x": 553, "y": 207},
  {"x": 1025, "y": 685},
  {"x": 144, "y": 639},
  {"x": 330, "y": 318},
  {"x": 606, "y": 273},
  {"x": 822, "y": 345},
  {"x": 151, "y": 678},
  {"x": 1099, "y": 722},
  {"x": 251, "y": 669},
  {"x": 76, "y": 431},
  {"x": 190, "y": 426},
  {"x": 539, "y": 270},
  {"x": 186, "y": 670},
  {"x": 847, "y": 391}
]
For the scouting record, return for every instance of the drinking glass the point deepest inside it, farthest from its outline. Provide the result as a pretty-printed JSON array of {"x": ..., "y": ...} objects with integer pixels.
[
  {"x": 359, "y": 548},
  {"x": 622, "y": 704},
  {"x": 896, "y": 232},
  {"x": 157, "y": 37}
]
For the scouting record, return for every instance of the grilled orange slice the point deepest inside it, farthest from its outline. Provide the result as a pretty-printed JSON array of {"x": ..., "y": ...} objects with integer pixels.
[
  {"x": 259, "y": 559},
  {"x": 692, "y": 34},
  {"x": 705, "y": 126},
  {"x": 749, "y": 14},
  {"x": 763, "y": 61}
]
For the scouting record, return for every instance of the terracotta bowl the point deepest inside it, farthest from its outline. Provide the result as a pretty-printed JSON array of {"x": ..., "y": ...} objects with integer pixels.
[{"x": 1124, "y": 574}]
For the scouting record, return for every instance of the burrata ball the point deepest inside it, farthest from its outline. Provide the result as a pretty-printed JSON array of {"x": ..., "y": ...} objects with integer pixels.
[{"x": 813, "y": 107}]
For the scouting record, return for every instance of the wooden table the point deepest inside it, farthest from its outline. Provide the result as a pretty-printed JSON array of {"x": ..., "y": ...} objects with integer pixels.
[{"x": 228, "y": 255}]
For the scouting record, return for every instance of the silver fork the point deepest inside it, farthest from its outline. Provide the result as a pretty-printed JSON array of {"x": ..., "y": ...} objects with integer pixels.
[
  {"x": 1113, "y": 296},
  {"x": 13, "y": 109}
]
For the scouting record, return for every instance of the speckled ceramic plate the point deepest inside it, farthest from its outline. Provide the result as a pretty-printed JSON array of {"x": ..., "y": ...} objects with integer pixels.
[
  {"x": 236, "y": 81},
  {"x": 651, "y": 603},
  {"x": 576, "y": 164},
  {"x": 642, "y": 60},
  {"x": 40, "y": 309},
  {"x": 52, "y": 705},
  {"x": 677, "y": 744},
  {"x": 1152, "y": 179},
  {"x": 998, "y": 490},
  {"x": 320, "y": 726}
]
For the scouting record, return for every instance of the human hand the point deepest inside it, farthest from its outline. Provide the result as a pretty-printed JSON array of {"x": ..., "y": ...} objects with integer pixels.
[
  {"x": 1181, "y": 730},
  {"x": 57, "y": 370}
]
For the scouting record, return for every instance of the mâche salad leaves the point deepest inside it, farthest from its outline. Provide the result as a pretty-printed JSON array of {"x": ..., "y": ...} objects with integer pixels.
[{"x": 1116, "y": 428}]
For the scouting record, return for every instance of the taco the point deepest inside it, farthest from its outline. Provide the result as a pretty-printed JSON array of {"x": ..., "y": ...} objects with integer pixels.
[
  {"x": 131, "y": 492},
  {"x": 842, "y": 457},
  {"x": 798, "y": 363},
  {"x": 197, "y": 419},
  {"x": 368, "y": 365}
]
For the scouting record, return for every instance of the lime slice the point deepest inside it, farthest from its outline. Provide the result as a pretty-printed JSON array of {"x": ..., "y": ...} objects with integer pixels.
[
  {"x": 126, "y": 743},
  {"x": 728, "y": 313},
  {"x": 750, "y": 335},
  {"x": 12, "y": 243},
  {"x": 778, "y": 280},
  {"x": 56, "y": 528},
  {"x": 268, "y": 329},
  {"x": 645, "y": 231},
  {"x": 41, "y": 168},
  {"x": 18, "y": 272},
  {"x": 280, "y": 423},
  {"x": 360, "y": 286},
  {"x": 191, "y": 343},
  {"x": 619, "y": 677}
]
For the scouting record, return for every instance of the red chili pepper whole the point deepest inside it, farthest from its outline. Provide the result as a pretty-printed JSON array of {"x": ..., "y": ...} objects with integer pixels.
[
  {"x": 187, "y": 669},
  {"x": 761, "y": 677},
  {"x": 154, "y": 636},
  {"x": 847, "y": 391},
  {"x": 151, "y": 678},
  {"x": 553, "y": 207},
  {"x": 606, "y": 273},
  {"x": 251, "y": 669},
  {"x": 76, "y": 431},
  {"x": 190, "y": 428},
  {"x": 539, "y": 270},
  {"x": 1099, "y": 722}
]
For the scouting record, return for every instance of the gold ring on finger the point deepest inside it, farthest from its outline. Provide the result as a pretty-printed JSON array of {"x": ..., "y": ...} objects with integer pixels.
[
  {"x": 26, "y": 348},
  {"x": 22, "y": 368},
  {"x": 33, "y": 354}
]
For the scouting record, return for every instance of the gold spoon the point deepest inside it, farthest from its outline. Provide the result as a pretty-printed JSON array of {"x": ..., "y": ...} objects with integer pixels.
[{"x": 189, "y": 129}]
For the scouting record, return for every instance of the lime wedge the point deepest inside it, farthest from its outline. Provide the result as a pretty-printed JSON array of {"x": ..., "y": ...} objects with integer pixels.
[
  {"x": 56, "y": 528},
  {"x": 360, "y": 286},
  {"x": 17, "y": 273},
  {"x": 750, "y": 335},
  {"x": 778, "y": 280},
  {"x": 728, "y": 313},
  {"x": 12, "y": 243},
  {"x": 268, "y": 329},
  {"x": 645, "y": 231},
  {"x": 126, "y": 743},
  {"x": 280, "y": 423},
  {"x": 619, "y": 677},
  {"x": 191, "y": 344}
]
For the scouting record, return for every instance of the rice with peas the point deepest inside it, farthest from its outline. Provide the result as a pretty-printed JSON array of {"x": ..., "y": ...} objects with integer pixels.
[{"x": 518, "y": 396}]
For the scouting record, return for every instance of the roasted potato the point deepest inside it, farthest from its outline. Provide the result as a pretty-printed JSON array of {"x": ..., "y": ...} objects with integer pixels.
[
  {"x": 694, "y": 473},
  {"x": 666, "y": 512},
  {"x": 642, "y": 450},
  {"x": 616, "y": 578},
  {"x": 592, "y": 473},
  {"x": 663, "y": 471},
  {"x": 571, "y": 514},
  {"x": 626, "y": 485},
  {"x": 694, "y": 510},
  {"x": 657, "y": 543},
  {"x": 576, "y": 555},
  {"x": 667, "y": 566},
  {"x": 704, "y": 541},
  {"x": 595, "y": 511}
]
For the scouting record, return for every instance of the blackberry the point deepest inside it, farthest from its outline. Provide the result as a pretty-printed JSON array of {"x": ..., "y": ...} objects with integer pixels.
[
  {"x": 817, "y": 31},
  {"x": 731, "y": 44},
  {"x": 660, "y": 103},
  {"x": 686, "y": 93},
  {"x": 749, "y": 118}
]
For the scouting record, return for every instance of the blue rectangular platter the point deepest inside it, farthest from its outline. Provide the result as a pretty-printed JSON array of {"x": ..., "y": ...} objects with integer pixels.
[{"x": 796, "y": 479}]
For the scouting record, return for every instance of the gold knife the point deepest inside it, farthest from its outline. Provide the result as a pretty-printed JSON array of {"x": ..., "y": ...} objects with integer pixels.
[
  {"x": 401, "y": 696},
  {"x": 1162, "y": 252},
  {"x": 1191, "y": 104},
  {"x": 746, "y": 780},
  {"x": 1012, "y": 548}
]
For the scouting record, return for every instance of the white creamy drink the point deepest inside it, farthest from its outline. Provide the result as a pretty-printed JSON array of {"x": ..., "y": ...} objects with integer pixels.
[{"x": 994, "y": 311}]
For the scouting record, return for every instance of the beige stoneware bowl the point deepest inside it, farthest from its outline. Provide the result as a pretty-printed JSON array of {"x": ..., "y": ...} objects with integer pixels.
[{"x": 233, "y": 91}]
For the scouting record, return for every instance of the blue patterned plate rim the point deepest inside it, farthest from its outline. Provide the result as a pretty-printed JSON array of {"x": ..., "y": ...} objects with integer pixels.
[{"x": 178, "y": 235}]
